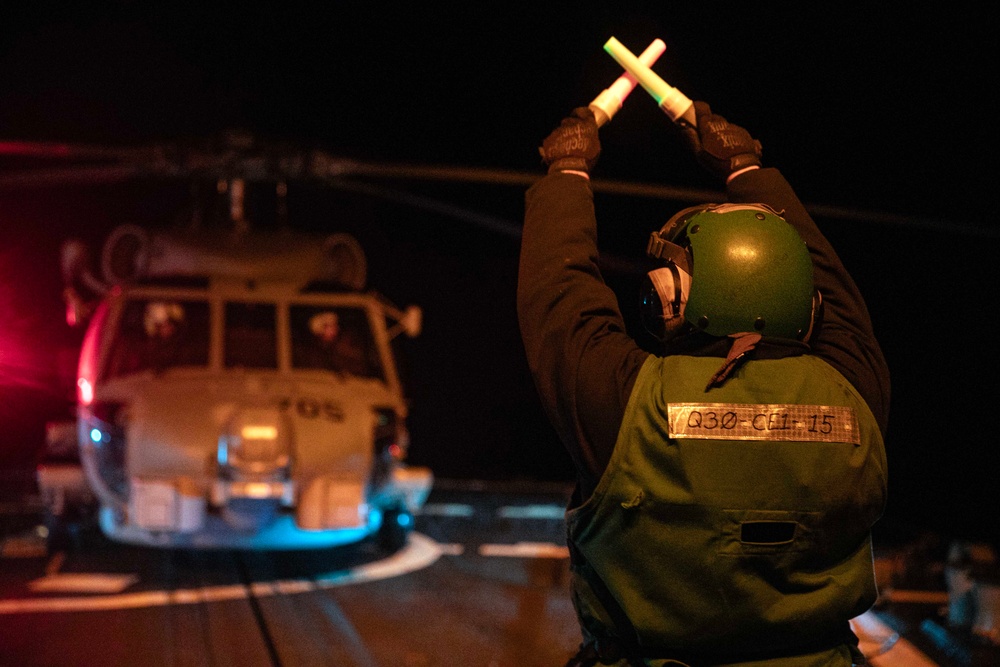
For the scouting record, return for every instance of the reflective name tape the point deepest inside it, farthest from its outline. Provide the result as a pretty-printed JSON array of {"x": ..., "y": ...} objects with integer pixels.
[{"x": 774, "y": 421}]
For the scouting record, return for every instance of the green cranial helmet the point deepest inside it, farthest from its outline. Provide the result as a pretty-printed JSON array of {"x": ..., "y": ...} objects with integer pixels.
[{"x": 745, "y": 268}]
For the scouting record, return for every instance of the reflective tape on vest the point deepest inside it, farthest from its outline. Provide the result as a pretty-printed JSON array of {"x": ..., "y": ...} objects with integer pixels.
[{"x": 773, "y": 421}]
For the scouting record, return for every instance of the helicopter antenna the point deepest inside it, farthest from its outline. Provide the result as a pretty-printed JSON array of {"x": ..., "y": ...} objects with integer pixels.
[
  {"x": 237, "y": 211},
  {"x": 195, "y": 217},
  {"x": 281, "y": 189}
]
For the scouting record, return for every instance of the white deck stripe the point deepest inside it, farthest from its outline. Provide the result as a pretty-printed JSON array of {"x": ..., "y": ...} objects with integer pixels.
[
  {"x": 533, "y": 512},
  {"x": 420, "y": 552},
  {"x": 884, "y": 647},
  {"x": 447, "y": 509},
  {"x": 525, "y": 550},
  {"x": 82, "y": 583}
]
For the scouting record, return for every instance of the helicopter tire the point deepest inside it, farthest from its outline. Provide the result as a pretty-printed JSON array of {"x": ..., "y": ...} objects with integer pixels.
[
  {"x": 60, "y": 533},
  {"x": 395, "y": 529}
]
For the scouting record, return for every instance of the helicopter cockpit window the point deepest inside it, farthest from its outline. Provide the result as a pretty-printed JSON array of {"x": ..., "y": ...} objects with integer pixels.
[
  {"x": 251, "y": 340},
  {"x": 334, "y": 339},
  {"x": 154, "y": 334}
]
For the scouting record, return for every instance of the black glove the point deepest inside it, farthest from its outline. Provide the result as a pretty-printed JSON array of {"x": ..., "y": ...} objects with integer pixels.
[
  {"x": 574, "y": 144},
  {"x": 718, "y": 145}
]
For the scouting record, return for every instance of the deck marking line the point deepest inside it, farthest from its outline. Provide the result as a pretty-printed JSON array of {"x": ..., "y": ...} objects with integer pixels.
[
  {"x": 915, "y": 597},
  {"x": 883, "y": 647},
  {"x": 420, "y": 552},
  {"x": 447, "y": 509},
  {"x": 83, "y": 582},
  {"x": 557, "y": 512},
  {"x": 55, "y": 563},
  {"x": 524, "y": 550}
]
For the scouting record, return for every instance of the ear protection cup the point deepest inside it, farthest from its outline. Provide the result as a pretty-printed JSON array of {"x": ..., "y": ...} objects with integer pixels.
[{"x": 664, "y": 295}]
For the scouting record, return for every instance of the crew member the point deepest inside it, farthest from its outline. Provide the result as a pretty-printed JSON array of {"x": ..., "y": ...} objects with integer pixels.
[
  {"x": 728, "y": 481},
  {"x": 162, "y": 322},
  {"x": 334, "y": 348}
]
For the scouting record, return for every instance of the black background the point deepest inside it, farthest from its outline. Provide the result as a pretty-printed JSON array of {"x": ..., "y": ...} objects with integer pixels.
[{"x": 883, "y": 115}]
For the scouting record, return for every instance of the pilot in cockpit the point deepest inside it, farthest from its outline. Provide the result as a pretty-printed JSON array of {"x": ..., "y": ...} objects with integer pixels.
[
  {"x": 162, "y": 322},
  {"x": 335, "y": 348}
]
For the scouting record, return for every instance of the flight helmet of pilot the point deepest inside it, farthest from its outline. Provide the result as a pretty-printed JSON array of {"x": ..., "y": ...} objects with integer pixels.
[
  {"x": 325, "y": 326},
  {"x": 162, "y": 318}
]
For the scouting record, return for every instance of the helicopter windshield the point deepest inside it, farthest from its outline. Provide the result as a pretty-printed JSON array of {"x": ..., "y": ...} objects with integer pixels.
[
  {"x": 335, "y": 339},
  {"x": 251, "y": 340},
  {"x": 154, "y": 334},
  {"x": 157, "y": 334}
]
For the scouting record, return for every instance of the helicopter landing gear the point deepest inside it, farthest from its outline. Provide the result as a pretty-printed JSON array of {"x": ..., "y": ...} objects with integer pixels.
[
  {"x": 58, "y": 533},
  {"x": 396, "y": 526},
  {"x": 68, "y": 531}
]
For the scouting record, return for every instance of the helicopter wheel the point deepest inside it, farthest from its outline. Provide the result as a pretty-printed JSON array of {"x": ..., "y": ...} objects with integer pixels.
[
  {"x": 395, "y": 529},
  {"x": 61, "y": 533}
]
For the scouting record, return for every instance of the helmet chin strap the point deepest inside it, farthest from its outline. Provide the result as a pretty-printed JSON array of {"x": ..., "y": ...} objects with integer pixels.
[{"x": 814, "y": 316}]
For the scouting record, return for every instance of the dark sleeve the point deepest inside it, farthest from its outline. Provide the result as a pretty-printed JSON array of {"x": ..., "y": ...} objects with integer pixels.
[
  {"x": 583, "y": 362},
  {"x": 845, "y": 338}
]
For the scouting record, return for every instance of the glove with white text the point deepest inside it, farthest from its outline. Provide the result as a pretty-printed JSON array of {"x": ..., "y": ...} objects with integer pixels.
[
  {"x": 719, "y": 146},
  {"x": 574, "y": 145}
]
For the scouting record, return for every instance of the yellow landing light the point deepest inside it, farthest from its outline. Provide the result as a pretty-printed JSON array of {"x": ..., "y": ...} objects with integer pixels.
[
  {"x": 253, "y": 432},
  {"x": 257, "y": 490}
]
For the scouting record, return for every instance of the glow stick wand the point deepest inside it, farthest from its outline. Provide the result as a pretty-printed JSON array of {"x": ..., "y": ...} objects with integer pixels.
[
  {"x": 610, "y": 101},
  {"x": 673, "y": 102}
]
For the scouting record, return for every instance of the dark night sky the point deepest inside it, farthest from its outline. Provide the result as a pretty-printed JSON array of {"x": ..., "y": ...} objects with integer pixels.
[{"x": 865, "y": 108}]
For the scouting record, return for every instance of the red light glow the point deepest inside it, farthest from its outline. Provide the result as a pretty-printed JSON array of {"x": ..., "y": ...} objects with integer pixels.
[{"x": 85, "y": 391}]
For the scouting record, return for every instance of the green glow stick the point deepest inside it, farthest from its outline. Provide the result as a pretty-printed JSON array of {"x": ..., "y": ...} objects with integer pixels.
[
  {"x": 610, "y": 101},
  {"x": 673, "y": 102}
]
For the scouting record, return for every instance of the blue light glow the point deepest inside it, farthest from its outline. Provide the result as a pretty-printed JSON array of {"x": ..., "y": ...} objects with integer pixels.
[
  {"x": 96, "y": 435},
  {"x": 404, "y": 520},
  {"x": 281, "y": 533}
]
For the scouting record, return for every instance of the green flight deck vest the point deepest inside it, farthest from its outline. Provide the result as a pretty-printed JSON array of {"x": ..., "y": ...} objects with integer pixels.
[{"x": 733, "y": 525}]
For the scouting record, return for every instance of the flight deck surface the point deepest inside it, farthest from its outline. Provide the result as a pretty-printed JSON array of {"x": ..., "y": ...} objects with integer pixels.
[{"x": 483, "y": 580}]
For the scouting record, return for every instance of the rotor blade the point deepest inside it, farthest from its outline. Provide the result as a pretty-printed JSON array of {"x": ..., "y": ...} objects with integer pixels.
[
  {"x": 340, "y": 168},
  {"x": 59, "y": 151},
  {"x": 482, "y": 220},
  {"x": 654, "y": 191},
  {"x": 81, "y": 175},
  {"x": 608, "y": 262},
  {"x": 242, "y": 158},
  {"x": 973, "y": 228}
]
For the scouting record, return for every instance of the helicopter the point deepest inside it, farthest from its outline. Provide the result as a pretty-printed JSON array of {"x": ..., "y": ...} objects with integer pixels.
[
  {"x": 236, "y": 388},
  {"x": 229, "y": 432}
]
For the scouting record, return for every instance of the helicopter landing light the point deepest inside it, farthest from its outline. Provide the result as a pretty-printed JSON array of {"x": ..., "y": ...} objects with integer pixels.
[
  {"x": 259, "y": 432},
  {"x": 257, "y": 490},
  {"x": 256, "y": 446},
  {"x": 223, "y": 491}
]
